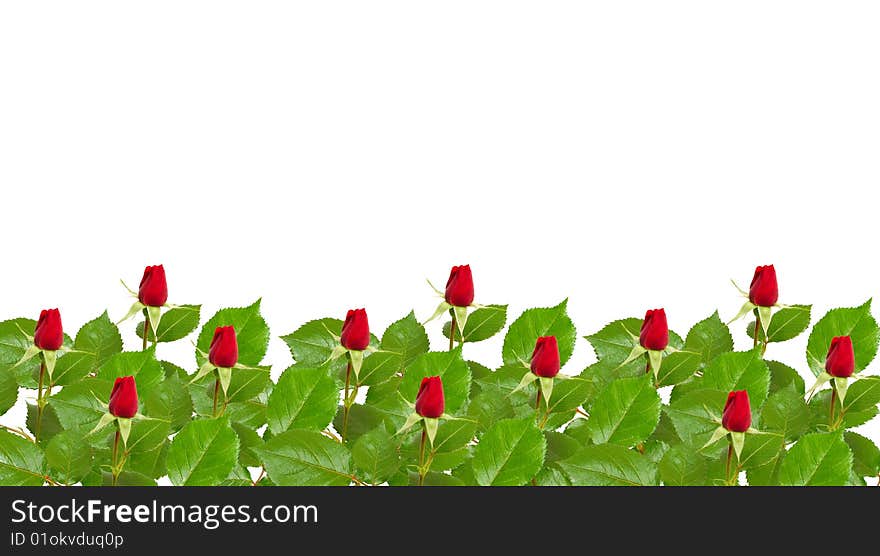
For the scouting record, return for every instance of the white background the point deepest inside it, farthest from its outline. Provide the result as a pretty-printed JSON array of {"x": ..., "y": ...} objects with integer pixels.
[{"x": 330, "y": 155}]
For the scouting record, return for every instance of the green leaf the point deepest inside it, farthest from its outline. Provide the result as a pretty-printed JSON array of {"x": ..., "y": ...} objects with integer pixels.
[
  {"x": 69, "y": 457},
  {"x": 510, "y": 453},
  {"x": 821, "y": 403},
  {"x": 740, "y": 371},
  {"x": 251, "y": 332},
  {"x": 710, "y": 338},
  {"x": 49, "y": 427},
  {"x": 817, "y": 459},
  {"x": 364, "y": 418},
  {"x": 696, "y": 415},
  {"x": 312, "y": 343},
  {"x": 402, "y": 342},
  {"x": 77, "y": 405},
  {"x": 519, "y": 343},
  {"x": 176, "y": 324},
  {"x": 625, "y": 413},
  {"x": 781, "y": 376},
  {"x": 569, "y": 394},
  {"x": 302, "y": 399},
  {"x": 8, "y": 390},
  {"x": 615, "y": 342},
  {"x": 490, "y": 405},
  {"x": 678, "y": 367},
  {"x": 169, "y": 400},
  {"x": 203, "y": 453},
  {"x": 855, "y": 322},
  {"x": 863, "y": 394},
  {"x": 786, "y": 412},
  {"x": 13, "y": 344},
  {"x": 450, "y": 367},
  {"x": 21, "y": 461},
  {"x": 248, "y": 440},
  {"x": 306, "y": 458},
  {"x": 787, "y": 323},
  {"x": 682, "y": 466},
  {"x": 761, "y": 449},
  {"x": 142, "y": 365},
  {"x": 482, "y": 324},
  {"x": 95, "y": 343},
  {"x": 609, "y": 465},
  {"x": 449, "y": 449},
  {"x": 866, "y": 455},
  {"x": 147, "y": 434},
  {"x": 375, "y": 454}
]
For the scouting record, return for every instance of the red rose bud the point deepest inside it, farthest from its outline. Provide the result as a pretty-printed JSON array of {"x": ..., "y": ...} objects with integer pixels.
[
  {"x": 764, "y": 291},
  {"x": 154, "y": 289},
  {"x": 356, "y": 330},
  {"x": 545, "y": 358},
  {"x": 737, "y": 416},
  {"x": 655, "y": 331},
  {"x": 48, "y": 334},
  {"x": 429, "y": 400},
  {"x": 224, "y": 347},
  {"x": 460, "y": 286},
  {"x": 841, "y": 360},
  {"x": 124, "y": 398}
]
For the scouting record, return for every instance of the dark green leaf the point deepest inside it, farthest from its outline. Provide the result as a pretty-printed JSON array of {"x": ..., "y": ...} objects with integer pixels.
[
  {"x": 375, "y": 454},
  {"x": 69, "y": 457},
  {"x": 682, "y": 466},
  {"x": 306, "y": 458},
  {"x": 781, "y": 376},
  {"x": 786, "y": 413},
  {"x": 21, "y": 461}
]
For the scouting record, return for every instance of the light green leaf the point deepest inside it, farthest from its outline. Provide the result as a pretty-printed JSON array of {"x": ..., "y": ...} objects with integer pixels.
[
  {"x": 169, "y": 400},
  {"x": 450, "y": 367},
  {"x": 678, "y": 367},
  {"x": 519, "y": 342},
  {"x": 569, "y": 394},
  {"x": 682, "y": 466},
  {"x": 95, "y": 343},
  {"x": 625, "y": 413},
  {"x": 482, "y": 324},
  {"x": 402, "y": 342},
  {"x": 69, "y": 457},
  {"x": 142, "y": 365},
  {"x": 817, "y": 459},
  {"x": 856, "y": 322},
  {"x": 21, "y": 461},
  {"x": 710, "y": 338},
  {"x": 306, "y": 458},
  {"x": 787, "y": 323},
  {"x": 175, "y": 324},
  {"x": 312, "y": 343},
  {"x": 302, "y": 399},
  {"x": 77, "y": 405},
  {"x": 609, "y": 465},
  {"x": 866, "y": 455},
  {"x": 8, "y": 389},
  {"x": 251, "y": 332},
  {"x": 740, "y": 371},
  {"x": 510, "y": 453},
  {"x": 786, "y": 412},
  {"x": 863, "y": 394},
  {"x": 203, "y": 453},
  {"x": 696, "y": 415},
  {"x": 376, "y": 455}
]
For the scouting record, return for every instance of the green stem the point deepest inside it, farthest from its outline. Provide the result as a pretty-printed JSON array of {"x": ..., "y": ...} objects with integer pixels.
[
  {"x": 422, "y": 470},
  {"x": 647, "y": 363},
  {"x": 729, "y": 457},
  {"x": 114, "y": 469},
  {"x": 831, "y": 422},
  {"x": 346, "y": 402},
  {"x": 40, "y": 398},
  {"x": 146, "y": 328},
  {"x": 216, "y": 393},
  {"x": 452, "y": 331}
]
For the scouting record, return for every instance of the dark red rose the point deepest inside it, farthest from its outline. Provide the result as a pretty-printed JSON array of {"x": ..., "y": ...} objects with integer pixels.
[
  {"x": 460, "y": 286},
  {"x": 737, "y": 416},
  {"x": 764, "y": 291},
  {"x": 153, "y": 291},
  {"x": 224, "y": 347},
  {"x": 655, "y": 331},
  {"x": 124, "y": 398},
  {"x": 545, "y": 358},
  {"x": 841, "y": 360},
  {"x": 48, "y": 334},
  {"x": 356, "y": 330},
  {"x": 429, "y": 400}
]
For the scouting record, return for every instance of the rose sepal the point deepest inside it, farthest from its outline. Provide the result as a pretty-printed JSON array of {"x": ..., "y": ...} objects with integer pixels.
[
  {"x": 50, "y": 357},
  {"x": 821, "y": 380}
]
